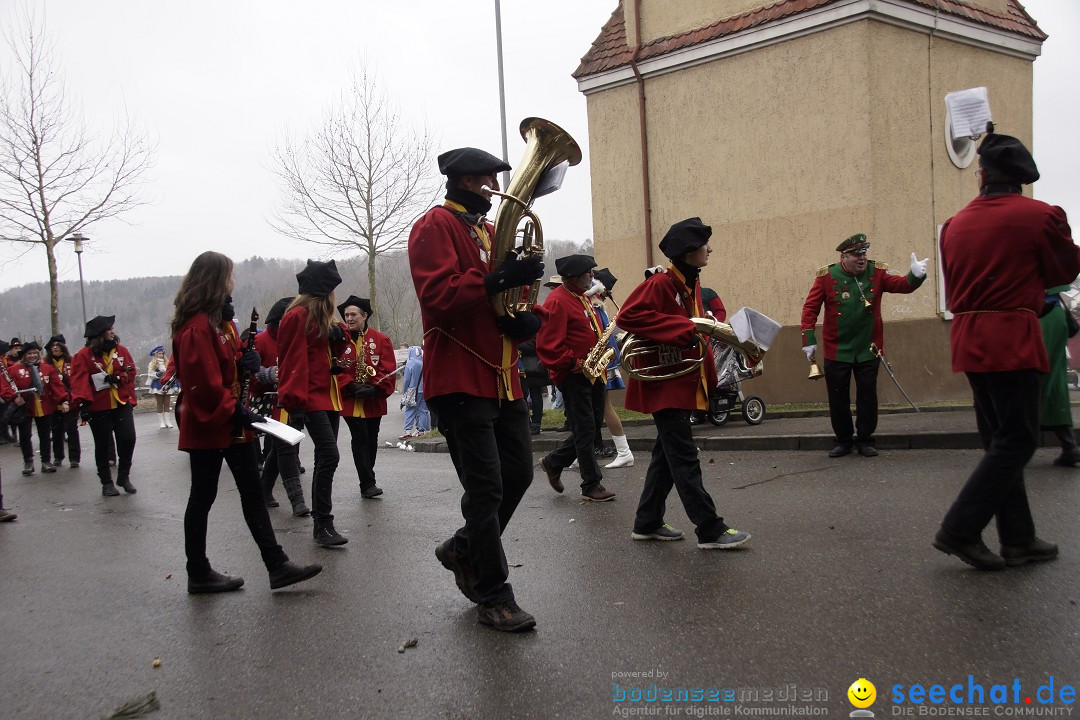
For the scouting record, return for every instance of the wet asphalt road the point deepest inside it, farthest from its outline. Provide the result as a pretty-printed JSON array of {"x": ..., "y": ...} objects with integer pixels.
[{"x": 839, "y": 582}]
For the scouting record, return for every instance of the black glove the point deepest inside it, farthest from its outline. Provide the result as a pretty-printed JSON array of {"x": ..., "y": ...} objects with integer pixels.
[
  {"x": 336, "y": 334},
  {"x": 365, "y": 391},
  {"x": 514, "y": 273},
  {"x": 250, "y": 361},
  {"x": 349, "y": 389},
  {"x": 248, "y": 417},
  {"x": 297, "y": 417},
  {"x": 84, "y": 414},
  {"x": 521, "y": 325},
  {"x": 113, "y": 380}
]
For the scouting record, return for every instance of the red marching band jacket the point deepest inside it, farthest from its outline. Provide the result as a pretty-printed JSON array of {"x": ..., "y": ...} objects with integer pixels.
[
  {"x": 660, "y": 309},
  {"x": 54, "y": 393},
  {"x": 999, "y": 254},
  {"x": 85, "y": 364},
  {"x": 7, "y": 389},
  {"x": 570, "y": 330},
  {"x": 206, "y": 361},
  {"x": 371, "y": 349},
  {"x": 304, "y": 362},
  {"x": 466, "y": 351}
]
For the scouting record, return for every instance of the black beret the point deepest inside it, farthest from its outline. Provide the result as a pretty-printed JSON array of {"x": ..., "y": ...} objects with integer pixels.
[
  {"x": 855, "y": 244},
  {"x": 56, "y": 339},
  {"x": 604, "y": 275},
  {"x": 362, "y": 303},
  {"x": 574, "y": 265},
  {"x": 470, "y": 161},
  {"x": 98, "y": 325},
  {"x": 318, "y": 279},
  {"x": 277, "y": 310},
  {"x": 28, "y": 347},
  {"x": 685, "y": 236},
  {"x": 1007, "y": 154}
]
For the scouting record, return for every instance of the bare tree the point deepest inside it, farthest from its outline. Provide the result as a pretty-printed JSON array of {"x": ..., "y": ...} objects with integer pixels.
[
  {"x": 359, "y": 181},
  {"x": 56, "y": 177},
  {"x": 400, "y": 308}
]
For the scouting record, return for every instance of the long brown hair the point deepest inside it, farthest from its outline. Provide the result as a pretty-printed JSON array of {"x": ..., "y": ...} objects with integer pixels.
[
  {"x": 203, "y": 289},
  {"x": 321, "y": 313}
]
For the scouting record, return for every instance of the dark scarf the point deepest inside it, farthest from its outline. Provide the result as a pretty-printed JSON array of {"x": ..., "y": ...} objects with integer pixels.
[
  {"x": 475, "y": 205},
  {"x": 228, "y": 312},
  {"x": 689, "y": 272},
  {"x": 107, "y": 345},
  {"x": 1000, "y": 189}
]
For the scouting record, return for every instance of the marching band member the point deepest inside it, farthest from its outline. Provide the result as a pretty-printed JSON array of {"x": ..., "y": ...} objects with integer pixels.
[
  {"x": 209, "y": 359},
  {"x": 470, "y": 375},
  {"x": 103, "y": 388},
  {"x": 264, "y": 386},
  {"x": 41, "y": 392},
  {"x": 603, "y": 282},
  {"x": 7, "y": 394},
  {"x": 310, "y": 339},
  {"x": 660, "y": 309},
  {"x": 998, "y": 256},
  {"x": 851, "y": 292},
  {"x": 64, "y": 422},
  {"x": 364, "y": 391},
  {"x": 570, "y": 331}
]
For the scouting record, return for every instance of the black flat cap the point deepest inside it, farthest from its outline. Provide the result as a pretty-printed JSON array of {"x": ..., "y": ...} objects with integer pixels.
[
  {"x": 1007, "y": 154},
  {"x": 470, "y": 161},
  {"x": 604, "y": 275},
  {"x": 99, "y": 325},
  {"x": 27, "y": 348},
  {"x": 362, "y": 303},
  {"x": 56, "y": 339},
  {"x": 855, "y": 244},
  {"x": 685, "y": 236},
  {"x": 277, "y": 310},
  {"x": 574, "y": 265},
  {"x": 318, "y": 279},
  {"x": 14, "y": 342}
]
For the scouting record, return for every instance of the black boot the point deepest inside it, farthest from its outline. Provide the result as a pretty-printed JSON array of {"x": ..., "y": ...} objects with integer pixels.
[
  {"x": 290, "y": 574},
  {"x": 28, "y": 467},
  {"x": 326, "y": 535},
  {"x": 296, "y": 496},
  {"x": 125, "y": 483},
  {"x": 1070, "y": 452},
  {"x": 108, "y": 489}
]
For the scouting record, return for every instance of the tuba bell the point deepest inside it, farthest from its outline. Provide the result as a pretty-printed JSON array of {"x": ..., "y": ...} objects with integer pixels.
[
  {"x": 547, "y": 145},
  {"x": 648, "y": 360}
]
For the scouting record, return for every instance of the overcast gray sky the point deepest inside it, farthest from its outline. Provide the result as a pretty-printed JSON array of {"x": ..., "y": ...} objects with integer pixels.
[{"x": 218, "y": 84}]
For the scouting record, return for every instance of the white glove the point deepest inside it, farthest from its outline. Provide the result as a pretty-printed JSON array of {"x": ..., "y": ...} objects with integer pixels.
[
  {"x": 918, "y": 267},
  {"x": 649, "y": 272},
  {"x": 809, "y": 350}
]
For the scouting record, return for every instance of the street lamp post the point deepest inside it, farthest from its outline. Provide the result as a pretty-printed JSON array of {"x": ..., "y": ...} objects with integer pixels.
[{"x": 78, "y": 238}]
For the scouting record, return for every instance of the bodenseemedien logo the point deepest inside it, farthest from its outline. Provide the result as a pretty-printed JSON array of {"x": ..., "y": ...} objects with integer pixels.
[{"x": 862, "y": 694}]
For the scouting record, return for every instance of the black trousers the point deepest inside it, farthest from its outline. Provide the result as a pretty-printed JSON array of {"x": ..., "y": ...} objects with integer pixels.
[
  {"x": 1007, "y": 413},
  {"x": 26, "y": 439},
  {"x": 584, "y": 402},
  {"x": 44, "y": 432},
  {"x": 322, "y": 428},
  {"x": 205, "y": 471},
  {"x": 838, "y": 382},
  {"x": 535, "y": 391},
  {"x": 365, "y": 445},
  {"x": 105, "y": 425},
  {"x": 66, "y": 424},
  {"x": 490, "y": 445},
  {"x": 675, "y": 463},
  {"x": 280, "y": 457}
]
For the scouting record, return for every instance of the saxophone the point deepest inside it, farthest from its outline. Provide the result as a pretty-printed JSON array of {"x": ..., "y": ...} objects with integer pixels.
[{"x": 596, "y": 362}]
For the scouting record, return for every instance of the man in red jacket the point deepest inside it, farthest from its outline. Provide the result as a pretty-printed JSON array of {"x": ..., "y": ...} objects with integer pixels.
[
  {"x": 998, "y": 255},
  {"x": 7, "y": 394},
  {"x": 42, "y": 390},
  {"x": 660, "y": 309},
  {"x": 570, "y": 331},
  {"x": 471, "y": 378},
  {"x": 103, "y": 388},
  {"x": 366, "y": 380}
]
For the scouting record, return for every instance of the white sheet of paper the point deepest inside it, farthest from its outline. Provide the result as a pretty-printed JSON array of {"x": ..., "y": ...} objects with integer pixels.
[
  {"x": 99, "y": 381},
  {"x": 749, "y": 324},
  {"x": 969, "y": 111},
  {"x": 283, "y": 432}
]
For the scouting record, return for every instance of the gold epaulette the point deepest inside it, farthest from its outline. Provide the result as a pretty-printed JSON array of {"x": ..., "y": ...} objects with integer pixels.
[
  {"x": 883, "y": 266},
  {"x": 823, "y": 271}
]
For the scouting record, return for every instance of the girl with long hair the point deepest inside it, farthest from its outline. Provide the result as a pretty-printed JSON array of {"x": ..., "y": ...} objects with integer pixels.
[
  {"x": 310, "y": 340},
  {"x": 208, "y": 359}
]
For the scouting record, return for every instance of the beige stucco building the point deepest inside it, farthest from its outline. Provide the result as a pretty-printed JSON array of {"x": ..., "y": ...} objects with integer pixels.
[{"x": 788, "y": 126}]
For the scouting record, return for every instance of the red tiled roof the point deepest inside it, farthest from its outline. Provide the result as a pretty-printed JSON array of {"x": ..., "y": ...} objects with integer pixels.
[{"x": 610, "y": 50}]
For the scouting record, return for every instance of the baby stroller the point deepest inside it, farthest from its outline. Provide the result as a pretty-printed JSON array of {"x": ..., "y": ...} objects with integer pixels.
[{"x": 728, "y": 396}]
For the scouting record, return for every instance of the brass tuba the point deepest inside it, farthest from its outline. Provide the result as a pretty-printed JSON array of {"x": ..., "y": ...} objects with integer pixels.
[
  {"x": 547, "y": 145},
  {"x": 648, "y": 360}
]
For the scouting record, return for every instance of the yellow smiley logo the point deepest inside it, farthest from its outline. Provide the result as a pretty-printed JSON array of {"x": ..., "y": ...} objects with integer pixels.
[{"x": 862, "y": 693}]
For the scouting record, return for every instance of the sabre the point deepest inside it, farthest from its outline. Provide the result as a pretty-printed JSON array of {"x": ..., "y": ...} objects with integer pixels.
[{"x": 876, "y": 352}]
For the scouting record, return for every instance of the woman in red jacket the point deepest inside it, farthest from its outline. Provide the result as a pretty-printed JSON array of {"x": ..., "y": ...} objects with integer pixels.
[
  {"x": 310, "y": 341},
  {"x": 214, "y": 426},
  {"x": 42, "y": 390},
  {"x": 103, "y": 388}
]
